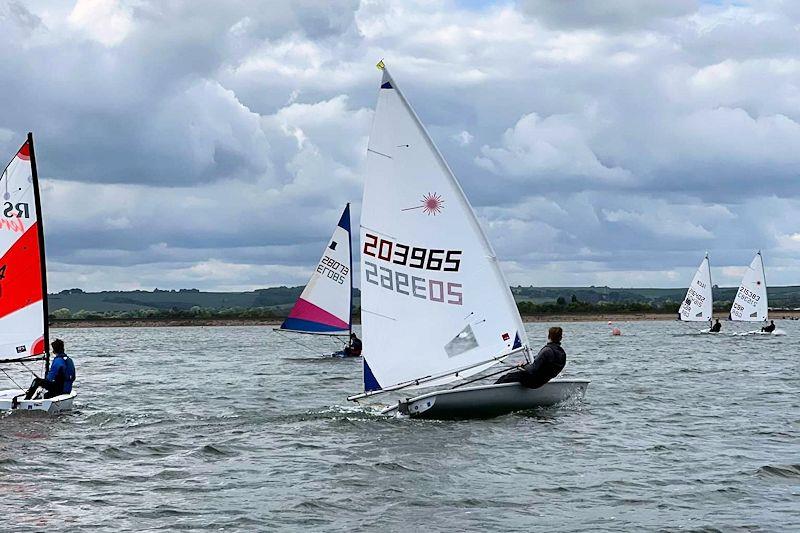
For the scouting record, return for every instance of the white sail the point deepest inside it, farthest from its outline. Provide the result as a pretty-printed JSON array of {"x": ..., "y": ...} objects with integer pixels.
[
  {"x": 22, "y": 281},
  {"x": 698, "y": 304},
  {"x": 325, "y": 304},
  {"x": 433, "y": 297},
  {"x": 750, "y": 304}
]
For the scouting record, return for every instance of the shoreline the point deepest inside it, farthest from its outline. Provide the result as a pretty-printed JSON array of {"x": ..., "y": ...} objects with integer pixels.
[{"x": 232, "y": 322}]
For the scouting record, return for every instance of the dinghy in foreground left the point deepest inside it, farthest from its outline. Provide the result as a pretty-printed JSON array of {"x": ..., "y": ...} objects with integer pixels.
[
  {"x": 435, "y": 305},
  {"x": 24, "y": 330}
]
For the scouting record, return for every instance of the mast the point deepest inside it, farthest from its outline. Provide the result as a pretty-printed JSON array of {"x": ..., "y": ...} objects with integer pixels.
[
  {"x": 764, "y": 277},
  {"x": 711, "y": 290},
  {"x": 42, "y": 261},
  {"x": 350, "y": 246}
]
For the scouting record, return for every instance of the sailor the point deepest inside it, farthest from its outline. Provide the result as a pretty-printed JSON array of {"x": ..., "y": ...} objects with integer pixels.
[
  {"x": 770, "y": 328},
  {"x": 60, "y": 377},
  {"x": 716, "y": 327},
  {"x": 354, "y": 348},
  {"x": 545, "y": 366}
]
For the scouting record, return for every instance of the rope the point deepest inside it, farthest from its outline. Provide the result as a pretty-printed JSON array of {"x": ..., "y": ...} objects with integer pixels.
[
  {"x": 483, "y": 377},
  {"x": 306, "y": 346},
  {"x": 11, "y": 379},
  {"x": 28, "y": 369}
]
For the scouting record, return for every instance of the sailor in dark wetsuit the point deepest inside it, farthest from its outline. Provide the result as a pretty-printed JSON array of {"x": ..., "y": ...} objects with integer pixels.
[
  {"x": 547, "y": 364},
  {"x": 716, "y": 327},
  {"x": 770, "y": 328},
  {"x": 354, "y": 348}
]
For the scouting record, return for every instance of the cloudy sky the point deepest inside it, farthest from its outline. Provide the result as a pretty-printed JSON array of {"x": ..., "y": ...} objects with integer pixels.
[{"x": 211, "y": 144}]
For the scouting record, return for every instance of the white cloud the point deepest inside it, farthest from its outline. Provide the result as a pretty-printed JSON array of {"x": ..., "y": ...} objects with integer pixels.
[
  {"x": 106, "y": 21},
  {"x": 192, "y": 141}
]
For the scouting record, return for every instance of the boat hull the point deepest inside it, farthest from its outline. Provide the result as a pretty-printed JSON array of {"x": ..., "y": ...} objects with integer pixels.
[
  {"x": 52, "y": 405},
  {"x": 488, "y": 400}
]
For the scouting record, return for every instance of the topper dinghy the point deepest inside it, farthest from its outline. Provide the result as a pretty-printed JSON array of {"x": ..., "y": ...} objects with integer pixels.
[
  {"x": 24, "y": 328},
  {"x": 325, "y": 305},
  {"x": 435, "y": 305},
  {"x": 698, "y": 305}
]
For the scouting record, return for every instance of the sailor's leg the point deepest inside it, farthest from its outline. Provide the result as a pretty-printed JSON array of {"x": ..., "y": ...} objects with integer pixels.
[
  {"x": 512, "y": 377},
  {"x": 32, "y": 389}
]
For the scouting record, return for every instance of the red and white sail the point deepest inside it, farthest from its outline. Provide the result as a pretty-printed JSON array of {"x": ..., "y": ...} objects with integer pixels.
[{"x": 22, "y": 285}]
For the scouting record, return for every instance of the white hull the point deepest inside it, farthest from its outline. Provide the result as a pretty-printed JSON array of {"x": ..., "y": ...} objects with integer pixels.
[
  {"x": 777, "y": 332},
  {"x": 488, "y": 400},
  {"x": 53, "y": 405}
]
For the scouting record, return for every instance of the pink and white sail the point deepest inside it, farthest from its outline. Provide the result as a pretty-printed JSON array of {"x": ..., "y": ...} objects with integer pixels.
[{"x": 22, "y": 285}]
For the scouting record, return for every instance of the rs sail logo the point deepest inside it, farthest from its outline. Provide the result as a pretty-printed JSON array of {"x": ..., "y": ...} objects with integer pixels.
[{"x": 18, "y": 210}]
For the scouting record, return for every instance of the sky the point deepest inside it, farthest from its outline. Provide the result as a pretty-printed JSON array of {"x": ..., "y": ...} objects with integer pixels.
[{"x": 213, "y": 145}]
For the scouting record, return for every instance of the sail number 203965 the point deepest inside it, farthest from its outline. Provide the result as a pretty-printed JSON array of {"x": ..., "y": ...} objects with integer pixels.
[
  {"x": 412, "y": 256},
  {"x": 417, "y": 257}
]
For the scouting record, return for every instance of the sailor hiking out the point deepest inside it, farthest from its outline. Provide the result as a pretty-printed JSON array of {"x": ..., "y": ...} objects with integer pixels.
[{"x": 547, "y": 364}]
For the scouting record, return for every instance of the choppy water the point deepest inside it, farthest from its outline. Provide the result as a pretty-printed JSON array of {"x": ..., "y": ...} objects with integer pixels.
[{"x": 238, "y": 429}]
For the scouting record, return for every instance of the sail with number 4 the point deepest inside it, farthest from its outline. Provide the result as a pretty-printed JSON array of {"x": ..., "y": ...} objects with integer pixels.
[
  {"x": 698, "y": 304},
  {"x": 435, "y": 306},
  {"x": 324, "y": 307},
  {"x": 23, "y": 286},
  {"x": 750, "y": 304}
]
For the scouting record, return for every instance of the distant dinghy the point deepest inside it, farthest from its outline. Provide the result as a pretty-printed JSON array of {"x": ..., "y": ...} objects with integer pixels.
[
  {"x": 698, "y": 305},
  {"x": 325, "y": 305},
  {"x": 750, "y": 304},
  {"x": 24, "y": 329},
  {"x": 435, "y": 305}
]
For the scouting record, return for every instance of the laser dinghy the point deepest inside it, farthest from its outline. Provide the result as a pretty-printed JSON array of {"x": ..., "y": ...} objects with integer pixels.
[{"x": 435, "y": 305}]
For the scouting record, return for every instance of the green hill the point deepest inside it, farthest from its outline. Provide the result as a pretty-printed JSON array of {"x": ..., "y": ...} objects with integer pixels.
[{"x": 275, "y": 302}]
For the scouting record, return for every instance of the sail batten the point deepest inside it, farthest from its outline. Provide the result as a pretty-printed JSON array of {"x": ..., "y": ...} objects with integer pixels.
[
  {"x": 23, "y": 287},
  {"x": 324, "y": 306},
  {"x": 750, "y": 304},
  {"x": 698, "y": 304},
  {"x": 433, "y": 295}
]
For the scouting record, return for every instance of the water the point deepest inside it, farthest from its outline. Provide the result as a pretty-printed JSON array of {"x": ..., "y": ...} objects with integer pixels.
[{"x": 238, "y": 429}]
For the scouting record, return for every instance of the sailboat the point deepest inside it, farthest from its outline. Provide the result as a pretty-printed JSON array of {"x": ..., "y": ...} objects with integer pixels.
[
  {"x": 325, "y": 305},
  {"x": 750, "y": 304},
  {"x": 698, "y": 306},
  {"x": 435, "y": 305},
  {"x": 24, "y": 328}
]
